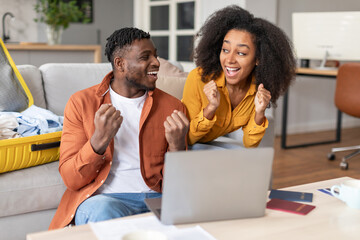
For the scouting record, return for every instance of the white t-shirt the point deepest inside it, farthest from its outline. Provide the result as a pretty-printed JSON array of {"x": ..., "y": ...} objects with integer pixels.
[{"x": 125, "y": 175}]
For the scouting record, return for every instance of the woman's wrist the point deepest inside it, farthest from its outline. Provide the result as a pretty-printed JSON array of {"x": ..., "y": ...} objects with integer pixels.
[
  {"x": 209, "y": 111},
  {"x": 259, "y": 118}
]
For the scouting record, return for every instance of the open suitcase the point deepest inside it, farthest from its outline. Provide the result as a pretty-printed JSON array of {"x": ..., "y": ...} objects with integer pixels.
[{"x": 23, "y": 152}]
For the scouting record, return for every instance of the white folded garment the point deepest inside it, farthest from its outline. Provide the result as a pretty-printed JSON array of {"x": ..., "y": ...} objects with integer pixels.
[{"x": 7, "y": 125}]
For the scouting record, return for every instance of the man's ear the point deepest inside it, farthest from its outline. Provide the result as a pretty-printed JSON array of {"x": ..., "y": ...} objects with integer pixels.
[{"x": 119, "y": 64}]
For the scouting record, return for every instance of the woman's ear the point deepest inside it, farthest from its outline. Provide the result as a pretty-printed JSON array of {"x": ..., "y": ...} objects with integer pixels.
[{"x": 119, "y": 64}]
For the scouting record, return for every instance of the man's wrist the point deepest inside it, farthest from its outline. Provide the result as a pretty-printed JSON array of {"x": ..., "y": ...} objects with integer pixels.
[
  {"x": 98, "y": 146},
  {"x": 179, "y": 147}
]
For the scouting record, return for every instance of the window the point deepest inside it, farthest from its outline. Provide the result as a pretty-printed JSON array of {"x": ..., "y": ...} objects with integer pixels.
[
  {"x": 172, "y": 25},
  {"x": 88, "y": 11}
]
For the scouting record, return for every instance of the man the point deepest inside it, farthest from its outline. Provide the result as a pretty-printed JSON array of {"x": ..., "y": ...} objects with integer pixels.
[{"x": 115, "y": 136}]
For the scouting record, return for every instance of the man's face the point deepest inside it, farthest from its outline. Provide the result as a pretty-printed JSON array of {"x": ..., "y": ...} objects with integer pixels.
[{"x": 141, "y": 65}]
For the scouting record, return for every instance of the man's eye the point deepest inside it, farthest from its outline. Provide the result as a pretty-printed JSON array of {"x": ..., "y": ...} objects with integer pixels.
[{"x": 145, "y": 57}]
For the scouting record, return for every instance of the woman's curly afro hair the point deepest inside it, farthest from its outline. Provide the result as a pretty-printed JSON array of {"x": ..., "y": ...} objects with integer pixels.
[{"x": 274, "y": 52}]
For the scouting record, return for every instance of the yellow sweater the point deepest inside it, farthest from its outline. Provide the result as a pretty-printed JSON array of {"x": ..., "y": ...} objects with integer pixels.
[{"x": 225, "y": 120}]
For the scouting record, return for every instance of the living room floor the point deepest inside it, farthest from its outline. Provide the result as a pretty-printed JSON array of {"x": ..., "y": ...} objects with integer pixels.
[{"x": 309, "y": 164}]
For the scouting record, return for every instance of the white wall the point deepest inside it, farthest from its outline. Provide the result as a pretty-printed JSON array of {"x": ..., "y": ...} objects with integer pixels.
[
  {"x": 22, "y": 28},
  {"x": 266, "y": 9},
  {"x": 311, "y": 100},
  {"x": 207, "y": 7}
]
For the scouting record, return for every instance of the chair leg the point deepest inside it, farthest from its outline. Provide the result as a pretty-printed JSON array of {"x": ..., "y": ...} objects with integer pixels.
[
  {"x": 341, "y": 149},
  {"x": 331, "y": 155},
  {"x": 343, "y": 164}
]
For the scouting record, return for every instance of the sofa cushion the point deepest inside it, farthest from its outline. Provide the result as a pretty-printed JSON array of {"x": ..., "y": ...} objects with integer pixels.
[
  {"x": 32, "y": 77},
  {"x": 61, "y": 80},
  {"x": 32, "y": 189},
  {"x": 171, "y": 78},
  {"x": 168, "y": 68},
  {"x": 172, "y": 85}
]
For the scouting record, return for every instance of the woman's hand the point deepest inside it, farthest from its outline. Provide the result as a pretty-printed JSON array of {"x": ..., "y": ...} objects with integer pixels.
[
  {"x": 262, "y": 100},
  {"x": 213, "y": 96}
]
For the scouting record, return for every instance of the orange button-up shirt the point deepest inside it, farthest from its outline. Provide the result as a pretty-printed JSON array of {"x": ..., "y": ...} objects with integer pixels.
[
  {"x": 225, "y": 120},
  {"x": 82, "y": 170}
]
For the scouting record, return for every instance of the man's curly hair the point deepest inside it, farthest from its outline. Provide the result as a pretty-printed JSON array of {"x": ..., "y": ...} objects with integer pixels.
[
  {"x": 274, "y": 51},
  {"x": 121, "y": 38}
]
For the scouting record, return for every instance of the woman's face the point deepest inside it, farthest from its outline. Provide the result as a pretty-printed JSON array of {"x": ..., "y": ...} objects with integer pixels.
[{"x": 237, "y": 56}]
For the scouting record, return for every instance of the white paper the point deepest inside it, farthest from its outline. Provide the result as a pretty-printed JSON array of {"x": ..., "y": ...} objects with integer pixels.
[
  {"x": 193, "y": 233},
  {"x": 116, "y": 229}
]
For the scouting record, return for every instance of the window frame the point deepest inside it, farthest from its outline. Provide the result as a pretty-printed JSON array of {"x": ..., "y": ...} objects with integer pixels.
[{"x": 142, "y": 21}]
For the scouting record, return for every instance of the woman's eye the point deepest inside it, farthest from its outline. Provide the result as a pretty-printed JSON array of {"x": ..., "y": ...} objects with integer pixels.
[
  {"x": 241, "y": 54},
  {"x": 225, "y": 50}
]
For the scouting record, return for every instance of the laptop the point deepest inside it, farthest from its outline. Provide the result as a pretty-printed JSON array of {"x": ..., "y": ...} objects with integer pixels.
[{"x": 213, "y": 185}]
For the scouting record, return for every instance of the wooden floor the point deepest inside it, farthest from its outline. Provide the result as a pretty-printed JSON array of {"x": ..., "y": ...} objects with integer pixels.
[{"x": 309, "y": 164}]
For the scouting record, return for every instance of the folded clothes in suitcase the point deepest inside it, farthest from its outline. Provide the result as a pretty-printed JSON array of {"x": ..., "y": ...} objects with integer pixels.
[{"x": 23, "y": 152}]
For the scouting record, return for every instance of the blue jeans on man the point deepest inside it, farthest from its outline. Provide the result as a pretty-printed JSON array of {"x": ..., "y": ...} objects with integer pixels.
[{"x": 107, "y": 206}]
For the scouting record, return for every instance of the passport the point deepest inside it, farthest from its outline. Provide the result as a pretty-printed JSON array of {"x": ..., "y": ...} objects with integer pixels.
[
  {"x": 291, "y": 196},
  {"x": 289, "y": 206}
]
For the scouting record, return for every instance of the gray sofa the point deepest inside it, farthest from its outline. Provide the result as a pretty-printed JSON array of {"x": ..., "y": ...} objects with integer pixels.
[{"x": 29, "y": 197}]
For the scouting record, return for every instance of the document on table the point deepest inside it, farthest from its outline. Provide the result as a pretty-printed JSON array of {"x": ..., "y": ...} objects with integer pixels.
[{"x": 116, "y": 229}]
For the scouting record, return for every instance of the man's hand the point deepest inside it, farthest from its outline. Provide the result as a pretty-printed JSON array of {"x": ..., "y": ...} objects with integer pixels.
[
  {"x": 176, "y": 127},
  {"x": 213, "y": 96},
  {"x": 107, "y": 122},
  {"x": 262, "y": 100}
]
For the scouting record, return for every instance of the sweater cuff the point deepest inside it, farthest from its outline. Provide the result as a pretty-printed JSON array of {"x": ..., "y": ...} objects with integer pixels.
[
  {"x": 91, "y": 156},
  {"x": 203, "y": 122},
  {"x": 253, "y": 128}
]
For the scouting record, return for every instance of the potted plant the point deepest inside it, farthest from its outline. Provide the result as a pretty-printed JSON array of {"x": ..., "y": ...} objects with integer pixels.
[{"x": 57, "y": 15}]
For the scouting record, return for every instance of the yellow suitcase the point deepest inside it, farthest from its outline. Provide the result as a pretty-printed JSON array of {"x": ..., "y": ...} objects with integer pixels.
[{"x": 18, "y": 153}]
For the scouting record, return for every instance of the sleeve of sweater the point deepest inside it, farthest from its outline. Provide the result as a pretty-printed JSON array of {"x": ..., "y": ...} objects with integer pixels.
[
  {"x": 199, "y": 125},
  {"x": 79, "y": 165}
]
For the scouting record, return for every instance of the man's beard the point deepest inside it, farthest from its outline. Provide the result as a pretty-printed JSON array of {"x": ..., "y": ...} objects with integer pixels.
[{"x": 137, "y": 85}]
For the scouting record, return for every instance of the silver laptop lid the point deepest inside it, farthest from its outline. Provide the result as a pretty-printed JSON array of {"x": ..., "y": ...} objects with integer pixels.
[{"x": 215, "y": 185}]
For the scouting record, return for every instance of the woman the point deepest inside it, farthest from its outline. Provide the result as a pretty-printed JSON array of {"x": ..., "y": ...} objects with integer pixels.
[{"x": 243, "y": 63}]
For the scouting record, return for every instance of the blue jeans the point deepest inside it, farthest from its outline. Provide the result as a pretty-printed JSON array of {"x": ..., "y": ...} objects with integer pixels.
[{"x": 112, "y": 205}]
